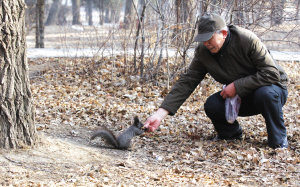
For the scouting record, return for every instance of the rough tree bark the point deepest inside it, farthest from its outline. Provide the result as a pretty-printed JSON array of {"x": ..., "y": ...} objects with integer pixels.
[
  {"x": 17, "y": 127},
  {"x": 40, "y": 27}
]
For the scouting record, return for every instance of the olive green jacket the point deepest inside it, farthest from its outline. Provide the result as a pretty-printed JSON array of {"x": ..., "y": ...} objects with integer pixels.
[{"x": 243, "y": 59}]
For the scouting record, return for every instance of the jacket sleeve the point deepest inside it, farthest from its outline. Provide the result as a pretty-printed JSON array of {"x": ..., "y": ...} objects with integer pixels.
[
  {"x": 267, "y": 72},
  {"x": 185, "y": 86}
]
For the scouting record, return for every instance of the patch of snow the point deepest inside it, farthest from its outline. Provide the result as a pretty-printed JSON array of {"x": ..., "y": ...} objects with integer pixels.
[
  {"x": 51, "y": 52},
  {"x": 76, "y": 27},
  {"x": 286, "y": 55}
]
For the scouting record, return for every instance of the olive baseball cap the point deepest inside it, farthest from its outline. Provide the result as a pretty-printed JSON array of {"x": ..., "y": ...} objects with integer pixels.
[{"x": 208, "y": 25}]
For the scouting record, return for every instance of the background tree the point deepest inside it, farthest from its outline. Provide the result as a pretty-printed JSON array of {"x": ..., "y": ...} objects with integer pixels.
[
  {"x": 40, "y": 27},
  {"x": 17, "y": 128},
  {"x": 53, "y": 13},
  {"x": 76, "y": 12},
  {"x": 65, "y": 10},
  {"x": 128, "y": 14},
  {"x": 89, "y": 10},
  {"x": 297, "y": 5},
  {"x": 277, "y": 12},
  {"x": 101, "y": 12},
  {"x": 239, "y": 12},
  {"x": 182, "y": 10},
  {"x": 30, "y": 14},
  {"x": 107, "y": 16}
]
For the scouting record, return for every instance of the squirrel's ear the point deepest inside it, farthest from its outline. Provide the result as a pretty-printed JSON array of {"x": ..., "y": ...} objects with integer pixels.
[{"x": 136, "y": 120}]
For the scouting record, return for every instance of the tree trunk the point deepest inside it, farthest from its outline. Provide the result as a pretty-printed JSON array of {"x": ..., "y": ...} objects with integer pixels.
[
  {"x": 277, "y": 12},
  {"x": 112, "y": 15},
  {"x": 185, "y": 10},
  {"x": 106, "y": 19},
  {"x": 90, "y": 11},
  {"x": 101, "y": 10},
  {"x": 182, "y": 9},
  {"x": 238, "y": 18},
  {"x": 128, "y": 12},
  {"x": 30, "y": 14},
  {"x": 141, "y": 6},
  {"x": 62, "y": 15},
  {"x": 40, "y": 27},
  {"x": 140, "y": 27},
  {"x": 17, "y": 127},
  {"x": 181, "y": 14},
  {"x": 76, "y": 12},
  {"x": 53, "y": 13},
  {"x": 115, "y": 9},
  {"x": 297, "y": 4}
]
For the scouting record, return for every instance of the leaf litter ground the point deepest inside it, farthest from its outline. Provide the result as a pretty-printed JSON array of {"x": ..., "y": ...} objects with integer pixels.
[{"x": 74, "y": 96}]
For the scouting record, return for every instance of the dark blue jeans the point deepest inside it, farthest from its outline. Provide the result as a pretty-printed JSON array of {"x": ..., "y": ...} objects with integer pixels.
[{"x": 267, "y": 100}]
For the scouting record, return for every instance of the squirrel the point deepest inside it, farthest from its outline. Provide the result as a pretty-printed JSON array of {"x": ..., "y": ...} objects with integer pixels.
[{"x": 124, "y": 139}]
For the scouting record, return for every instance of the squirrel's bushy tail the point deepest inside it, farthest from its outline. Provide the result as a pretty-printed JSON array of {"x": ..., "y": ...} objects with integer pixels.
[{"x": 107, "y": 135}]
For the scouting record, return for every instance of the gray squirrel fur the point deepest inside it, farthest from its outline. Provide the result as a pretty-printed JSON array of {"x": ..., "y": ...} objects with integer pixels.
[{"x": 124, "y": 139}]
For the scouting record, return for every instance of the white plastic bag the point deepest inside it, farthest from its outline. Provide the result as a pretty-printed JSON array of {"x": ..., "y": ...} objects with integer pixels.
[{"x": 232, "y": 107}]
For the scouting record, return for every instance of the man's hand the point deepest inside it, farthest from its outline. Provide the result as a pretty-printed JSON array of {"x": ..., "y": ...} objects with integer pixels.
[
  {"x": 153, "y": 121},
  {"x": 229, "y": 91}
]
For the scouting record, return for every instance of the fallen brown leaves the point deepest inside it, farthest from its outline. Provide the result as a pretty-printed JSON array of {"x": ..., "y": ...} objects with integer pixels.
[{"x": 78, "y": 95}]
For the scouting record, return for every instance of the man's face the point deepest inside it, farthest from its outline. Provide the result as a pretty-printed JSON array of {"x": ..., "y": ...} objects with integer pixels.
[{"x": 215, "y": 43}]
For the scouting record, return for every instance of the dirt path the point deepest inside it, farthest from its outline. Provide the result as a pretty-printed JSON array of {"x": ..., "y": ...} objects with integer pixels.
[
  {"x": 61, "y": 162},
  {"x": 64, "y": 162}
]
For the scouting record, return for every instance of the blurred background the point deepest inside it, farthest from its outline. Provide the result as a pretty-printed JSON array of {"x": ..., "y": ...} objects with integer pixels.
[{"x": 148, "y": 33}]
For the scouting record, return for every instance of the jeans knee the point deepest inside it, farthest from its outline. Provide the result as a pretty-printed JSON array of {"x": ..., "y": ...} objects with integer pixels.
[
  {"x": 267, "y": 99},
  {"x": 266, "y": 95},
  {"x": 213, "y": 108},
  {"x": 208, "y": 109}
]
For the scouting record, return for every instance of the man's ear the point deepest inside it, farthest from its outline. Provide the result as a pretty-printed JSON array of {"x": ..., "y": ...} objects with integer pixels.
[{"x": 224, "y": 32}]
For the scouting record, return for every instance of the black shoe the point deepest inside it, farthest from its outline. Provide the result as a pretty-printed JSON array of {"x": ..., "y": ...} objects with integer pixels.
[
  {"x": 236, "y": 136},
  {"x": 284, "y": 144}
]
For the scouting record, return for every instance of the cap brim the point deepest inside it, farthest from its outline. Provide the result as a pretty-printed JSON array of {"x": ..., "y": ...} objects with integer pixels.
[{"x": 203, "y": 37}]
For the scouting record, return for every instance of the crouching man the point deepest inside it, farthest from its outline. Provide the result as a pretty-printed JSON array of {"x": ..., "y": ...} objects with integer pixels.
[{"x": 236, "y": 57}]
